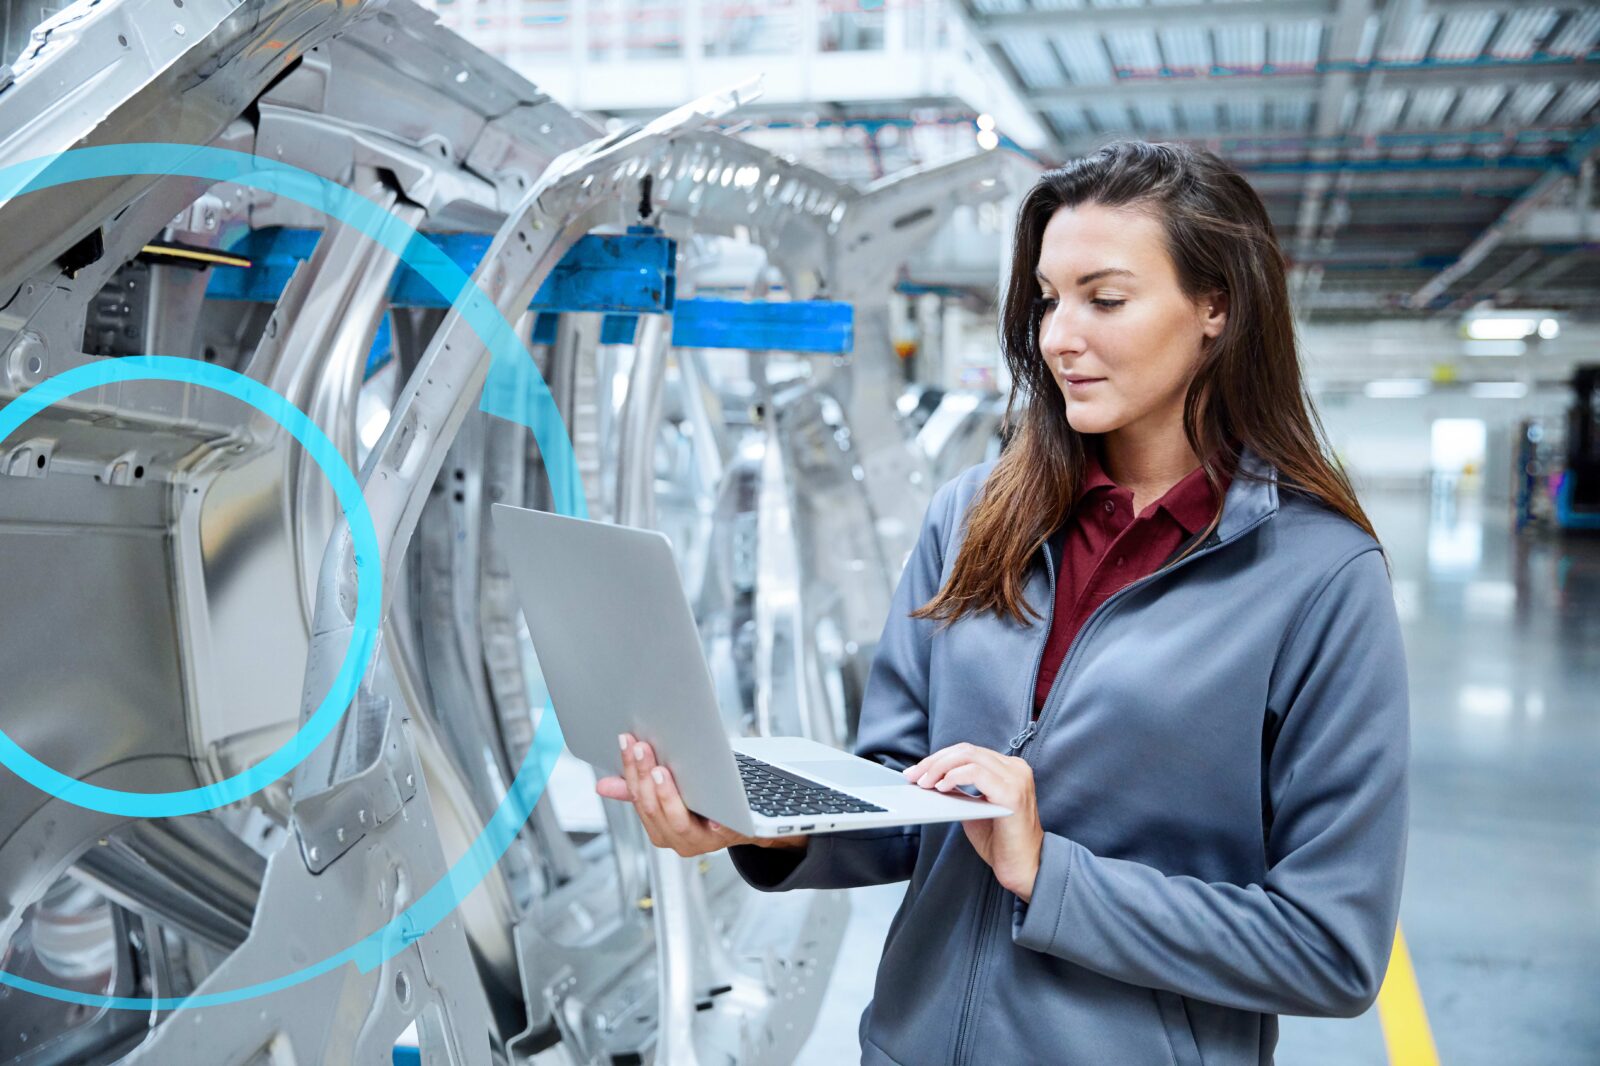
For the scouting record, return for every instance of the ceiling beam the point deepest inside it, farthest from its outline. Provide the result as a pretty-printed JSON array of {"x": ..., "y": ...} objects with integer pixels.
[
  {"x": 1002, "y": 24},
  {"x": 1204, "y": 15},
  {"x": 1221, "y": 88},
  {"x": 1550, "y": 184}
]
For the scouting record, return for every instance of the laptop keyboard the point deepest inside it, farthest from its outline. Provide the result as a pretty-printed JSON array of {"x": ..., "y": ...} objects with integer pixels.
[{"x": 779, "y": 794}]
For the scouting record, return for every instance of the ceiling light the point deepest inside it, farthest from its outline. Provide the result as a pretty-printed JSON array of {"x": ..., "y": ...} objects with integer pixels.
[
  {"x": 986, "y": 122},
  {"x": 1499, "y": 390},
  {"x": 987, "y": 139},
  {"x": 1396, "y": 388},
  {"x": 1500, "y": 329},
  {"x": 1549, "y": 328}
]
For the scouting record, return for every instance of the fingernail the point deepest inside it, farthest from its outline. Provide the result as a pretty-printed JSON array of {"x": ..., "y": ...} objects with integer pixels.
[
  {"x": 622, "y": 739},
  {"x": 657, "y": 776},
  {"x": 638, "y": 751}
]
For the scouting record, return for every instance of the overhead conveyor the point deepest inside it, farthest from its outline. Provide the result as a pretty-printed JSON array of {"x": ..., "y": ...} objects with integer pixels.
[{"x": 193, "y": 599}]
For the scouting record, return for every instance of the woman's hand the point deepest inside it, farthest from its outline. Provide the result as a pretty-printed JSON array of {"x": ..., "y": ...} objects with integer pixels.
[
  {"x": 1010, "y": 845},
  {"x": 667, "y": 821}
]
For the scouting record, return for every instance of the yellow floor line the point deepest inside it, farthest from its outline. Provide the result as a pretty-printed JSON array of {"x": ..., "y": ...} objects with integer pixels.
[{"x": 1400, "y": 1012}]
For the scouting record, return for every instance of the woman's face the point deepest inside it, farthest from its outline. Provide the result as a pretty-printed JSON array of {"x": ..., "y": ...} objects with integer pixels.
[{"x": 1118, "y": 334}]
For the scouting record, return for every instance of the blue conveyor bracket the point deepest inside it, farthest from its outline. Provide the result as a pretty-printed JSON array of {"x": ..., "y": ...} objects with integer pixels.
[
  {"x": 632, "y": 273},
  {"x": 620, "y": 276},
  {"x": 826, "y": 326}
]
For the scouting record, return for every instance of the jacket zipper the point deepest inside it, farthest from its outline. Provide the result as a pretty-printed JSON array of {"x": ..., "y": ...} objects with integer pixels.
[
  {"x": 968, "y": 1001},
  {"x": 1098, "y": 615},
  {"x": 989, "y": 882},
  {"x": 1031, "y": 728}
]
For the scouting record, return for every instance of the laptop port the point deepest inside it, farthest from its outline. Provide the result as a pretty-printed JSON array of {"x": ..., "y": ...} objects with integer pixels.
[
  {"x": 785, "y": 828},
  {"x": 803, "y": 828}
]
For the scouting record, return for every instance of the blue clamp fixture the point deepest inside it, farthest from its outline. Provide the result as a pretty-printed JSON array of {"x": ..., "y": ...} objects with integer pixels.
[{"x": 621, "y": 276}]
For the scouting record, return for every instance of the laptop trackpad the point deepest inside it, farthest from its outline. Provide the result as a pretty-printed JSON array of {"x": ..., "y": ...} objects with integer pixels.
[{"x": 848, "y": 773}]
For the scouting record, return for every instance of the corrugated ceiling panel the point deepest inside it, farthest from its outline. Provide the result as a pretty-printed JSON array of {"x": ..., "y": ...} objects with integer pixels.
[
  {"x": 1464, "y": 34},
  {"x": 1527, "y": 101},
  {"x": 1240, "y": 46},
  {"x": 1085, "y": 60},
  {"x": 1574, "y": 103},
  {"x": 1347, "y": 111},
  {"x": 1409, "y": 40},
  {"x": 1198, "y": 116},
  {"x": 1578, "y": 35},
  {"x": 1243, "y": 113},
  {"x": 1520, "y": 34},
  {"x": 1155, "y": 116},
  {"x": 1385, "y": 111},
  {"x": 1068, "y": 120},
  {"x": 1295, "y": 44},
  {"x": 1034, "y": 61},
  {"x": 1289, "y": 113},
  {"x": 1477, "y": 104},
  {"x": 1109, "y": 115},
  {"x": 989, "y": 7},
  {"x": 1428, "y": 107},
  {"x": 1133, "y": 48},
  {"x": 1369, "y": 40},
  {"x": 1186, "y": 47}
]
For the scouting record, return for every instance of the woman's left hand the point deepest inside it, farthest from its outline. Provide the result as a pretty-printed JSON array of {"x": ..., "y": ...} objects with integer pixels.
[{"x": 1010, "y": 845}]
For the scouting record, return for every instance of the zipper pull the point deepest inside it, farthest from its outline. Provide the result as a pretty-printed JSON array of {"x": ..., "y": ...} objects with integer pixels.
[{"x": 1022, "y": 738}]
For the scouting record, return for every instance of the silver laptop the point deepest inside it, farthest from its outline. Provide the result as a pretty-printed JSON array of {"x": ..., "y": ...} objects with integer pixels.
[{"x": 620, "y": 652}]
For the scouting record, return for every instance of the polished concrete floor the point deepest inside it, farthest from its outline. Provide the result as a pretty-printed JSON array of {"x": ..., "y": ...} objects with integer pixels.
[{"x": 1502, "y": 894}]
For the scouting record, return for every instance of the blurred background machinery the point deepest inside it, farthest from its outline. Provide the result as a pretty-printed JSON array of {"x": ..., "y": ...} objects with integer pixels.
[
  {"x": 173, "y": 560},
  {"x": 765, "y": 311}
]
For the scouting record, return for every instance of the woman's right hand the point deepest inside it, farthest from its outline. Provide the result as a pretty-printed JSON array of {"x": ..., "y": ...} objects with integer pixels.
[{"x": 669, "y": 824}]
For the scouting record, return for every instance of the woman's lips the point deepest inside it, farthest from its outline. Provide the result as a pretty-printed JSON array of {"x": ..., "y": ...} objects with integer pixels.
[{"x": 1079, "y": 384}]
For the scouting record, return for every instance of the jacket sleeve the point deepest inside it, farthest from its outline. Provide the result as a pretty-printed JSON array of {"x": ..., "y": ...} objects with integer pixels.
[
  {"x": 1314, "y": 938},
  {"x": 893, "y": 730}
]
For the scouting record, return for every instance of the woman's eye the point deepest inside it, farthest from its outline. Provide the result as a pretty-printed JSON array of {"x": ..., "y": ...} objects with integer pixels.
[{"x": 1048, "y": 302}]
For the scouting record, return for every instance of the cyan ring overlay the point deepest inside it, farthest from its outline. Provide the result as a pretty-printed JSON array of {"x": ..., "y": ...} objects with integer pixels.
[
  {"x": 514, "y": 390},
  {"x": 369, "y": 587}
]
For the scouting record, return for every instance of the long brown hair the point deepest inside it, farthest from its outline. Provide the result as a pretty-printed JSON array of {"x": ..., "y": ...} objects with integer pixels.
[{"x": 1247, "y": 388}]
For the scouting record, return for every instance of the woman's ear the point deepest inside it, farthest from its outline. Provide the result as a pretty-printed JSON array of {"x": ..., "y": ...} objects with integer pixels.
[{"x": 1215, "y": 314}]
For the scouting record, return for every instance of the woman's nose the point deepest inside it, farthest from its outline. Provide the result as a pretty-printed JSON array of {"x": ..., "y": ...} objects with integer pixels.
[{"x": 1061, "y": 335}]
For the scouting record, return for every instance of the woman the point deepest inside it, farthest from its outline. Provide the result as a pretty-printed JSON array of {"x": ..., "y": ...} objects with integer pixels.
[{"x": 1158, "y": 628}]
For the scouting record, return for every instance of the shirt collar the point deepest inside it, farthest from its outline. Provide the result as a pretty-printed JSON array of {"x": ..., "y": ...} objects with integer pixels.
[
  {"x": 1189, "y": 502},
  {"x": 1094, "y": 475}
]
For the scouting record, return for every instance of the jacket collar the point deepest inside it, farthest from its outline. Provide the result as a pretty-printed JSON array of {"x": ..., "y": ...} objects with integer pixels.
[{"x": 1246, "y": 502}]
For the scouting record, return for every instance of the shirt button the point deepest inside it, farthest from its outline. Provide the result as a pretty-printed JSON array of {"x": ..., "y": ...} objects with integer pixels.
[
  {"x": 1110, "y": 507},
  {"x": 1121, "y": 561}
]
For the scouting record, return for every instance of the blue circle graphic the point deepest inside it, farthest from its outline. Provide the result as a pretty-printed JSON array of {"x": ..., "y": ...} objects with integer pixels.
[
  {"x": 369, "y": 587},
  {"x": 513, "y": 390}
]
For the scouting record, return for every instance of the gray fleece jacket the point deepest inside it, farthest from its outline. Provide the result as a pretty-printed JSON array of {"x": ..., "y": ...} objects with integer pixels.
[{"x": 1221, "y": 770}]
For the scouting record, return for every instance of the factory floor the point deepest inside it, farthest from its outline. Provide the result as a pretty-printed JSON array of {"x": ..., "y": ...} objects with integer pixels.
[{"x": 1501, "y": 910}]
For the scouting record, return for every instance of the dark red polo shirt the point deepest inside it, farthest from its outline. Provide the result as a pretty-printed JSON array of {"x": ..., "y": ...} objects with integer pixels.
[{"x": 1107, "y": 547}]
